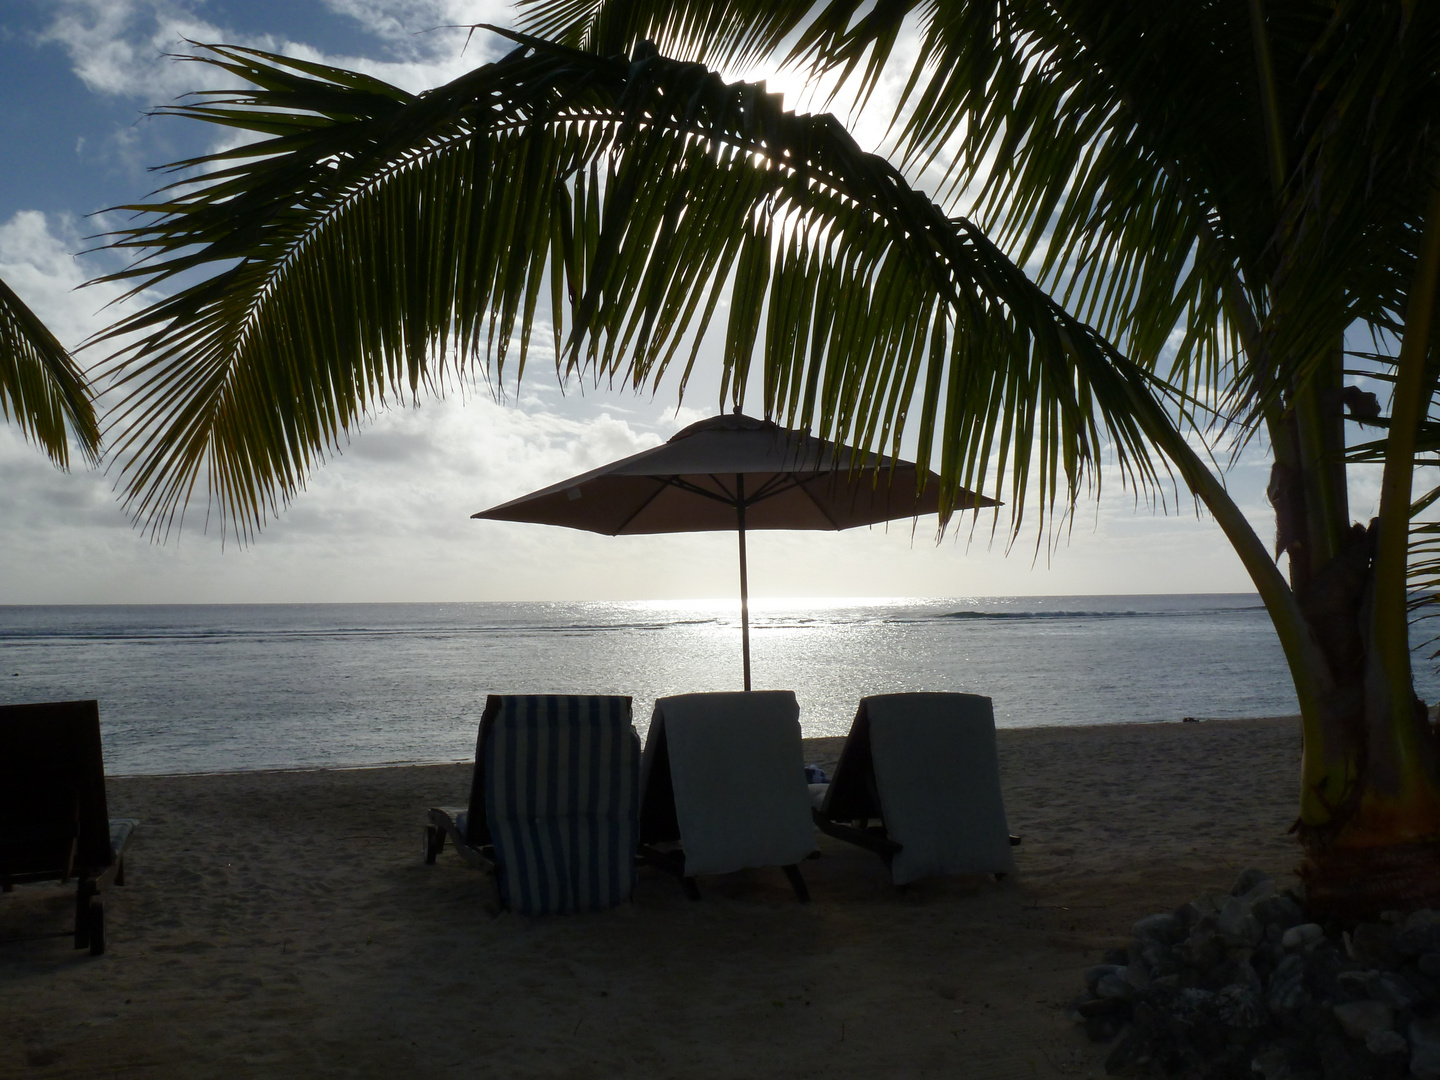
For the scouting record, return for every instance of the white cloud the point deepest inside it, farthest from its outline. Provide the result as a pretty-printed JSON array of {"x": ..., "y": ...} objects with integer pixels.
[
  {"x": 125, "y": 47},
  {"x": 119, "y": 46},
  {"x": 389, "y": 520},
  {"x": 408, "y": 23},
  {"x": 38, "y": 260}
]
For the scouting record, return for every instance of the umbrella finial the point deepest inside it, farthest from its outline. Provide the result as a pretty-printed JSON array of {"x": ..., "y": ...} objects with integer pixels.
[{"x": 736, "y": 409}]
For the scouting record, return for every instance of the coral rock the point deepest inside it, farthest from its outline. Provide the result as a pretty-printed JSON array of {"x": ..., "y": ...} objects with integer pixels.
[
  {"x": 1359, "y": 1018},
  {"x": 1425, "y": 1049},
  {"x": 1298, "y": 937}
]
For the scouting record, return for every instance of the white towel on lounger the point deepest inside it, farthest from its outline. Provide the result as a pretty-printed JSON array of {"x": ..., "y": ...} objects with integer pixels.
[
  {"x": 939, "y": 782},
  {"x": 738, "y": 771}
]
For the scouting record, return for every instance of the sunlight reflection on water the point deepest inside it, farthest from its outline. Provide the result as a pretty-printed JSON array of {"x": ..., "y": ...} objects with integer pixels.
[{"x": 203, "y": 688}]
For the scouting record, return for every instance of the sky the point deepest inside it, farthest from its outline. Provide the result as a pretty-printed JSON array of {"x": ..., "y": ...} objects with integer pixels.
[{"x": 388, "y": 518}]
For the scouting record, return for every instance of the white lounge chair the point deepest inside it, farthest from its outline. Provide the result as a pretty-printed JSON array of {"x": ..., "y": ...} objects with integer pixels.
[
  {"x": 723, "y": 787},
  {"x": 918, "y": 783}
]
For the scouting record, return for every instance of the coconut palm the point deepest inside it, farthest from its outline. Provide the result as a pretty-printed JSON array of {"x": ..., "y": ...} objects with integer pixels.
[
  {"x": 42, "y": 390},
  {"x": 1211, "y": 197}
]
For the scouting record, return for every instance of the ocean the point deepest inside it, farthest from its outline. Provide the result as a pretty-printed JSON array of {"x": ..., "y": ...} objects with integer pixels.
[{"x": 210, "y": 688}]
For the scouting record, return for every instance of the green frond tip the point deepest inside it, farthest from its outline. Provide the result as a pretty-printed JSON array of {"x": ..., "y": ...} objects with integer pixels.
[{"x": 42, "y": 390}]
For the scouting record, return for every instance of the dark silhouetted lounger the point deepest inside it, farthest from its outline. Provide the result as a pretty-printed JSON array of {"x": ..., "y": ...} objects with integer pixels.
[
  {"x": 554, "y": 803},
  {"x": 54, "y": 825},
  {"x": 918, "y": 783}
]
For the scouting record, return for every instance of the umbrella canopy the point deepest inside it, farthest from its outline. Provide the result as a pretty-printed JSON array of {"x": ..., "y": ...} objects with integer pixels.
[{"x": 736, "y": 472}]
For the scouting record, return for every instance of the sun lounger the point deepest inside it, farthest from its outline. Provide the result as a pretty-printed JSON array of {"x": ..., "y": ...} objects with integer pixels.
[
  {"x": 53, "y": 820},
  {"x": 723, "y": 785},
  {"x": 923, "y": 768},
  {"x": 553, "y": 804}
]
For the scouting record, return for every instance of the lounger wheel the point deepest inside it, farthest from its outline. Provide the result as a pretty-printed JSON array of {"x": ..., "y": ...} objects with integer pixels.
[{"x": 434, "y": 843}]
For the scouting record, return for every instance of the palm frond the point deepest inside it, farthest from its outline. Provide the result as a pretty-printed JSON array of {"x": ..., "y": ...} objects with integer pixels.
[
  {"x": 1125, "y": 147},
  {"x": 371, "y": 245},
  {"x": 732, "y": 33},
  {"x": 42, "y": 390}
]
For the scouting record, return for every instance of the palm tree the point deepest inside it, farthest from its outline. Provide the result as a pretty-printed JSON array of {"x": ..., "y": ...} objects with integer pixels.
[
  {"x": 42, "y": 390},
  {"x": 1212, "y": 195}
]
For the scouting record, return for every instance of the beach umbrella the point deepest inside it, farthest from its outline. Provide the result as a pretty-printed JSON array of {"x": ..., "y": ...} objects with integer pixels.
[{"x": 736, "y": 472}]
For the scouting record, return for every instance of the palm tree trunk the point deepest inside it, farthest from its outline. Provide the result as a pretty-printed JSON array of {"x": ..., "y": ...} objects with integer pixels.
[
  {"x": 1378, "y": 846},
  {"x": 1368, "y": 823}
]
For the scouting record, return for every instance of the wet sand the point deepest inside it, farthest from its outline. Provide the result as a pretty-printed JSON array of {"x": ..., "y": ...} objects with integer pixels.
[{"x": 284, "y": 925}]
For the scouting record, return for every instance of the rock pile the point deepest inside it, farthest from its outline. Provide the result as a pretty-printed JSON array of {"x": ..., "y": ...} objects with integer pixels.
[{"x": 1246, "y": 986}]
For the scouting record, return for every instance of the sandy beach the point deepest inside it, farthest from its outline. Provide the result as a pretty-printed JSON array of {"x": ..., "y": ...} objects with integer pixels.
[{"x": 283, "y": 924}]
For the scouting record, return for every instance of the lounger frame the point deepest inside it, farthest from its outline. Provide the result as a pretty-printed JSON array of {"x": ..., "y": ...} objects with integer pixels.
[
  {"x": 443, "y": 822},
  {"x": 851, "y": 806}
]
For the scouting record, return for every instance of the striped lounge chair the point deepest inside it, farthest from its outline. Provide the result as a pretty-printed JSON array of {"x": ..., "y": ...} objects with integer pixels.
[
  {"x": 918, "y": 783},
  {"x": 554, "y": 803},
  {"x": 54, "y": 824}
]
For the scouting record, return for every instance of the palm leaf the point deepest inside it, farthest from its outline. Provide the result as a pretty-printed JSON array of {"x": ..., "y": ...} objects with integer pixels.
[
  {"x": 371, "y": 245},
  {"x": 1124, "y": 147},
  {"x": 42, "y": 390}
]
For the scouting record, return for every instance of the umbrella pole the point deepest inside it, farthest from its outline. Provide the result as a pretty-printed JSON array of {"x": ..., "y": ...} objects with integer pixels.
[{"x": 744, "y": 578}]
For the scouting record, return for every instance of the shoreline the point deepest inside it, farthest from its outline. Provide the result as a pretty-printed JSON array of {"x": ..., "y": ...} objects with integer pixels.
[
  {"x": 284, "y": 924},
  {"x": 1000, "y": 732}
]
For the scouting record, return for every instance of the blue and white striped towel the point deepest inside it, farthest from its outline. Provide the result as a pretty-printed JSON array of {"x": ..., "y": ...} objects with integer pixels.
[{"x": 562, "y": 801}]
